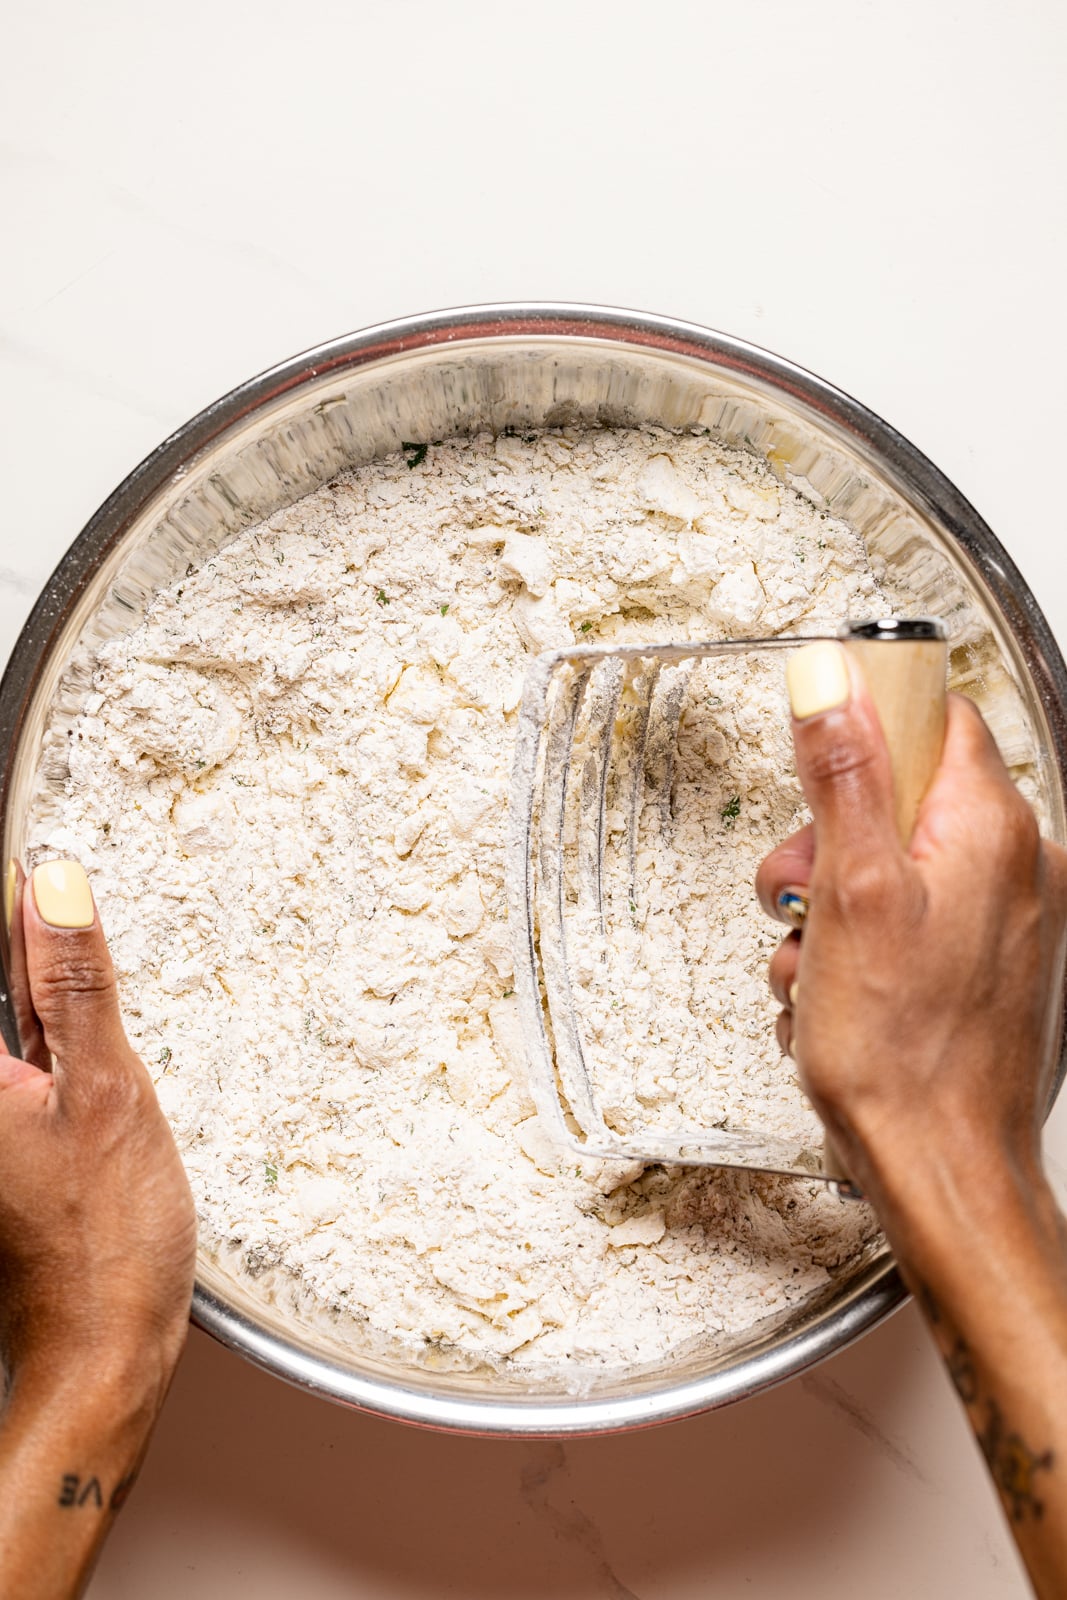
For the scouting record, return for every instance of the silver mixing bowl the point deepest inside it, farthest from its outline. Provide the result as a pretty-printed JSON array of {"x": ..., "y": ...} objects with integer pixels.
[{"x": 490, "y": 367}]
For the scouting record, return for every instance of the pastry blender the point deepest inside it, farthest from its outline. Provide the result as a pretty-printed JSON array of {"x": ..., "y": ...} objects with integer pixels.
[{"x": 594, "y": 781}]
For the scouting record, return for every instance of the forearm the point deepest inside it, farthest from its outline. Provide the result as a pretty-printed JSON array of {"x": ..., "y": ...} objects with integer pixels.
[
  {"x": 70, "y": 1449},
  {"x": 97, "y": 1246},
  {"x": 983, "y": 1246}
]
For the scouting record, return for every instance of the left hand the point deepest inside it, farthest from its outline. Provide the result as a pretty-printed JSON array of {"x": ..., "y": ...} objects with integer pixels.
[
  {"x": 97, "y": 1226},
  {"x": 97, "y": 1245}
]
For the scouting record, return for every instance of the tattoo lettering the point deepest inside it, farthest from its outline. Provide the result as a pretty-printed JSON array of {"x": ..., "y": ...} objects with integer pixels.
[
  {"x": 75, "y": 1491},
  {"x": 1013, "y": 1465}
]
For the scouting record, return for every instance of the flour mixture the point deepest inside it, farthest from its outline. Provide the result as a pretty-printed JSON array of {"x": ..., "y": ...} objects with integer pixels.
[{"x": 289, "y": 789}]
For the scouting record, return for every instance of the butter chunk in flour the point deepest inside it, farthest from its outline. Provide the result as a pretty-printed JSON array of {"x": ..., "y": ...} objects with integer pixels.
[{"x": 289, "y": 786}]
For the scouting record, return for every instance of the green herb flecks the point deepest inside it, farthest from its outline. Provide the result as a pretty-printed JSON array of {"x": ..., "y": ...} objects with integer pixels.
[
  {"x": 382, "y": 598},
  {"x": 585, "y": 627},
  {"x": 414, "y": 454},
  {"x": 164, "y": 1055},
  {"x": 271, "y": 1173},
  {"x": 444, "y": 609},
  {"x": 731, "y": 811}
]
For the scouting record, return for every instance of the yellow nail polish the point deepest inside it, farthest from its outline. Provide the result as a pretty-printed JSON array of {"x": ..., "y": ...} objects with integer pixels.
[
  {"x": 11, "y": 883},
  {"x": 817, "y": 679},
  {"x": 794, "y": 993},
  {"x": 62, "y": 894}
]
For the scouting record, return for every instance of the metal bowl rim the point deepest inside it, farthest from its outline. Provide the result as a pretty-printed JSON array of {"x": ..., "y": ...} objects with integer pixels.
[{"x": 911, "y": 472}]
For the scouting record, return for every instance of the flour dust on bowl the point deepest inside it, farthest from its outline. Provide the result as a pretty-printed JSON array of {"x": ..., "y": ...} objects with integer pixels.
[{"x": 269, "y": 699}]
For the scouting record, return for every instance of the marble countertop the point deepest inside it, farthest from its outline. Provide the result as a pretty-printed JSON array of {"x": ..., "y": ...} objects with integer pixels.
[{"x": 190, "y": 194}]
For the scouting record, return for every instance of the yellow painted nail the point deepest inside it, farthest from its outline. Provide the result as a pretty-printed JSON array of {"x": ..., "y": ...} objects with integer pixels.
[
  {"x": 62, "y": 894},
  {"x": 794, "y": 993},
  {"x": 817, "y": 679},
  {"x": 11, "y": 883}
]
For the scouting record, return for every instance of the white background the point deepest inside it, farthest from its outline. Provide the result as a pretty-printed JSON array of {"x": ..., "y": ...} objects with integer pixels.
[{"x": 192, "y": 192}]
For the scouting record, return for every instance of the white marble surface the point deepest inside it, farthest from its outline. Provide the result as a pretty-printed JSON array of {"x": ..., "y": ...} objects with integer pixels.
[{"x": 191, "y": 193}]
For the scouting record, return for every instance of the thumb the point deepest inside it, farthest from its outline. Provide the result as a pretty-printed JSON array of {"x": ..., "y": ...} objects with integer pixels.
[
  {"x": 842, "y": 759},
  {"x": 71, "y": 978},
  {"x": 31, "y": 1043}
]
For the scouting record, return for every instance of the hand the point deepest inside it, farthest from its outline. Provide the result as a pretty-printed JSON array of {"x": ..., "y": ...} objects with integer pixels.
[
  {"x": 97, "y": 1228},
  {"x": 922, "y": 1003},
  {"x": 97, "y": 1245}
]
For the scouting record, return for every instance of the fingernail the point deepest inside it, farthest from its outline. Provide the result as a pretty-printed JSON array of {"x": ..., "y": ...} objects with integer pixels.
[
  {"x": 794, "y": 993},
  {"x": 62, "y": 894},
  {"x": 11, "y": 883},
  {"x": 792, "y": 907},
  {"x": 817, "y": 679}
]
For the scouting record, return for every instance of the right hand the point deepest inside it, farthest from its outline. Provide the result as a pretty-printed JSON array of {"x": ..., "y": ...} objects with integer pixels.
[{"x": 926, "y": 988}]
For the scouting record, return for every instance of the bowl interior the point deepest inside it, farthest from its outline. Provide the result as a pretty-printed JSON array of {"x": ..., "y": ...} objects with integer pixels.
[{"x": 292, "y": 430}]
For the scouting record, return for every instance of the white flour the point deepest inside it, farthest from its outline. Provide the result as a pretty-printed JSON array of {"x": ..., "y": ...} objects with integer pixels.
[
  {"x": 289, "y": 789},
  {"x": 671, "y": 995}
]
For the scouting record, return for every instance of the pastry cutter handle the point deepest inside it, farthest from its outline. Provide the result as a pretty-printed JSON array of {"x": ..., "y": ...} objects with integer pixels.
[{"x": 904, "y": 661}]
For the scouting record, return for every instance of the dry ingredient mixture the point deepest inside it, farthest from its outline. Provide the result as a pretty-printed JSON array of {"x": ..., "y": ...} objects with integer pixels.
[
  {"x": 666, "y": 966},
  {"x": 289, "y": 787}
]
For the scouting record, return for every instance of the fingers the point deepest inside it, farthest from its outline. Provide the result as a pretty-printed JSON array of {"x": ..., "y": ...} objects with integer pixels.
[
  {"x": 782, "y": 972},
  {"x": 842, "y": 760},
  {"x": 71, "y": 979},
  {"x": 971, "y": 775},
  {"x": 969, "y": 743},
  {"x": 1054, "y": 864},
  {"x": 787, "y": 866},
  {"x": 15, "y": 1072},
  {"x": 783, "y": 978}
]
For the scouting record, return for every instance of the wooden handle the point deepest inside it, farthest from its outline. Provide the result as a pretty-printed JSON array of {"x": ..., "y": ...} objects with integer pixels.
[{"x": 906, "y": 680}]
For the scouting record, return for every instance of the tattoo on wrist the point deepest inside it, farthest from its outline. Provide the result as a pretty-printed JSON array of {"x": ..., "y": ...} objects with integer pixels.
[
  {"x": 76, "y": 1491},
  {"x": 1013, "y": 1465},
  {"x": 961, "y": 1371},
  {"x": 930, "y": 1308},
  {"x": 1010, "y": 1459}
]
